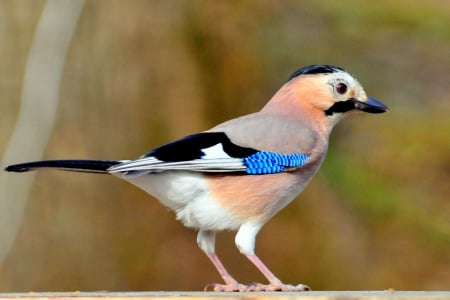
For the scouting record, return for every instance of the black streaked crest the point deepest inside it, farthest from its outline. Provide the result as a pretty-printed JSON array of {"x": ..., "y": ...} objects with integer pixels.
[{"x": 316, "y": 69}]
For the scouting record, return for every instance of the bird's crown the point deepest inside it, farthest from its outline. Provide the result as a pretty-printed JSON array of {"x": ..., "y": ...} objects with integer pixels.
[{"x": 316, "y": 69}]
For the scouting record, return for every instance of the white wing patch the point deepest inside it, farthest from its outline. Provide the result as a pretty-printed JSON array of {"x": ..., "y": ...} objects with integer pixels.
[{"x": 214, "y": 152}]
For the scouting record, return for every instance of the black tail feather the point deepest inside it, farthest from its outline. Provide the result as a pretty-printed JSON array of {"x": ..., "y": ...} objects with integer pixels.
[{"x": 89, "y": 166}]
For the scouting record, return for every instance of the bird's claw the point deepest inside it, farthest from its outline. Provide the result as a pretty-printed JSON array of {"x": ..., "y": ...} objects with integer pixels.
[
  {"x": 256, "y": 287},
  {"x": 230, "y": 287},
  {"x": 259, "y": 287}
]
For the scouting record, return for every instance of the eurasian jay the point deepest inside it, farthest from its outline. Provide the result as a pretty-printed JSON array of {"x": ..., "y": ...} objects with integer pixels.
[{"x": 239, "y": 174}]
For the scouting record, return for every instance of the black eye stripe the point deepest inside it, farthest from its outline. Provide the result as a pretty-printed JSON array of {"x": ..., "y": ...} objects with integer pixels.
[{"x": 340, "y": 107}]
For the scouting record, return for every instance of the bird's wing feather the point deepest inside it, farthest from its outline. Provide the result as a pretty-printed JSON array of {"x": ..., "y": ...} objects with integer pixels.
[
  {"x": 200, "y": 145},
  {"x": 153, "y": 164},
  {"x": 210, "y": 152}
]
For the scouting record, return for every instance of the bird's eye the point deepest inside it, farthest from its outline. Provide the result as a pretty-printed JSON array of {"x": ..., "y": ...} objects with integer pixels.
[{"x": 341, "y": 88}]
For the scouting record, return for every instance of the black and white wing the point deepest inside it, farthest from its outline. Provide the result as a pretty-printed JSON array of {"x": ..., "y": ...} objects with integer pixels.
[{"x": 210, "y": 152}]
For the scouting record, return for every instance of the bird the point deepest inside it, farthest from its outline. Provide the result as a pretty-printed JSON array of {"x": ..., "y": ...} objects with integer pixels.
[{"x": 239, "y": 174}]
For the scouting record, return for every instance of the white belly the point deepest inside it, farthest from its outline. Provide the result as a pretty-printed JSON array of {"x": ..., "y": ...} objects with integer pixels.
[{"x": 187, "y": 194}]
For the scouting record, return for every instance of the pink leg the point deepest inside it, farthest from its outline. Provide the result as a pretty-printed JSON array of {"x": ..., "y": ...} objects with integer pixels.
[
  {"x": 275, "y": 283},
  {"x": 206, "y": 240},
  {"x": 231, "y": 285}
]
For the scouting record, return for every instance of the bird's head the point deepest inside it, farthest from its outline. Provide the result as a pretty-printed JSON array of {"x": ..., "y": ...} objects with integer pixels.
[{"x": 325, "y": 92}]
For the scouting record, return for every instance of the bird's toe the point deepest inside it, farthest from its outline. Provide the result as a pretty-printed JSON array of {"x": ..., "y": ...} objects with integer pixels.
[
  {"x": 282, "y": 288},
  {"x": 230, "y": 287}
]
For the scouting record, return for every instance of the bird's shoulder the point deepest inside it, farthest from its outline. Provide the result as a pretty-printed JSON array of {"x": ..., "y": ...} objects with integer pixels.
[{"x": 271, "y": 132}]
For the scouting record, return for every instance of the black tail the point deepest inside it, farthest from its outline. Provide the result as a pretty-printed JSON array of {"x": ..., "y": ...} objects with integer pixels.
[{"x": 89, "y": 166}]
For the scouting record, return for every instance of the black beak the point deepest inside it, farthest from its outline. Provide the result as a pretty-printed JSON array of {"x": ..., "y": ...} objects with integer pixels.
[{"x": 372, "y": 106}]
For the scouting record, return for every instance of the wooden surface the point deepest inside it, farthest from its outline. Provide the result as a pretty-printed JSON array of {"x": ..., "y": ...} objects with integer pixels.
[{"x": 331, "y": 295}]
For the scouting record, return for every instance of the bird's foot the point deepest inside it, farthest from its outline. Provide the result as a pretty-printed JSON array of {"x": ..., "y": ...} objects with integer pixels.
[
  {"x": 229, "y": 287},
  {"x": 256, "y": 287}
]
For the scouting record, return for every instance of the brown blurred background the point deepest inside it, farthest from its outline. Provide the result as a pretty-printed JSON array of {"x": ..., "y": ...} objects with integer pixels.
[{"x": 141, "y": 73}]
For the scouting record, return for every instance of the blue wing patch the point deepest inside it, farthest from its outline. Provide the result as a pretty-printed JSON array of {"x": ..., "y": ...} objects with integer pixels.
[{"x": 266, "y": 162}]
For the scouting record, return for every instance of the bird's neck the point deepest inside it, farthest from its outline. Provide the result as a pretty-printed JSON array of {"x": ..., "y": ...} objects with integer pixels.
[{"x": 286, "y": 102}]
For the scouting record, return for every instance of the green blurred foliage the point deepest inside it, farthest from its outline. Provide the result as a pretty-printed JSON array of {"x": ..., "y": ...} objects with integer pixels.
[{"x": 141, "y": 73}]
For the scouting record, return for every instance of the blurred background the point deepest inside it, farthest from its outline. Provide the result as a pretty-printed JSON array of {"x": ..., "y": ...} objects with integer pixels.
[{"x": 137, "y": 74}]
